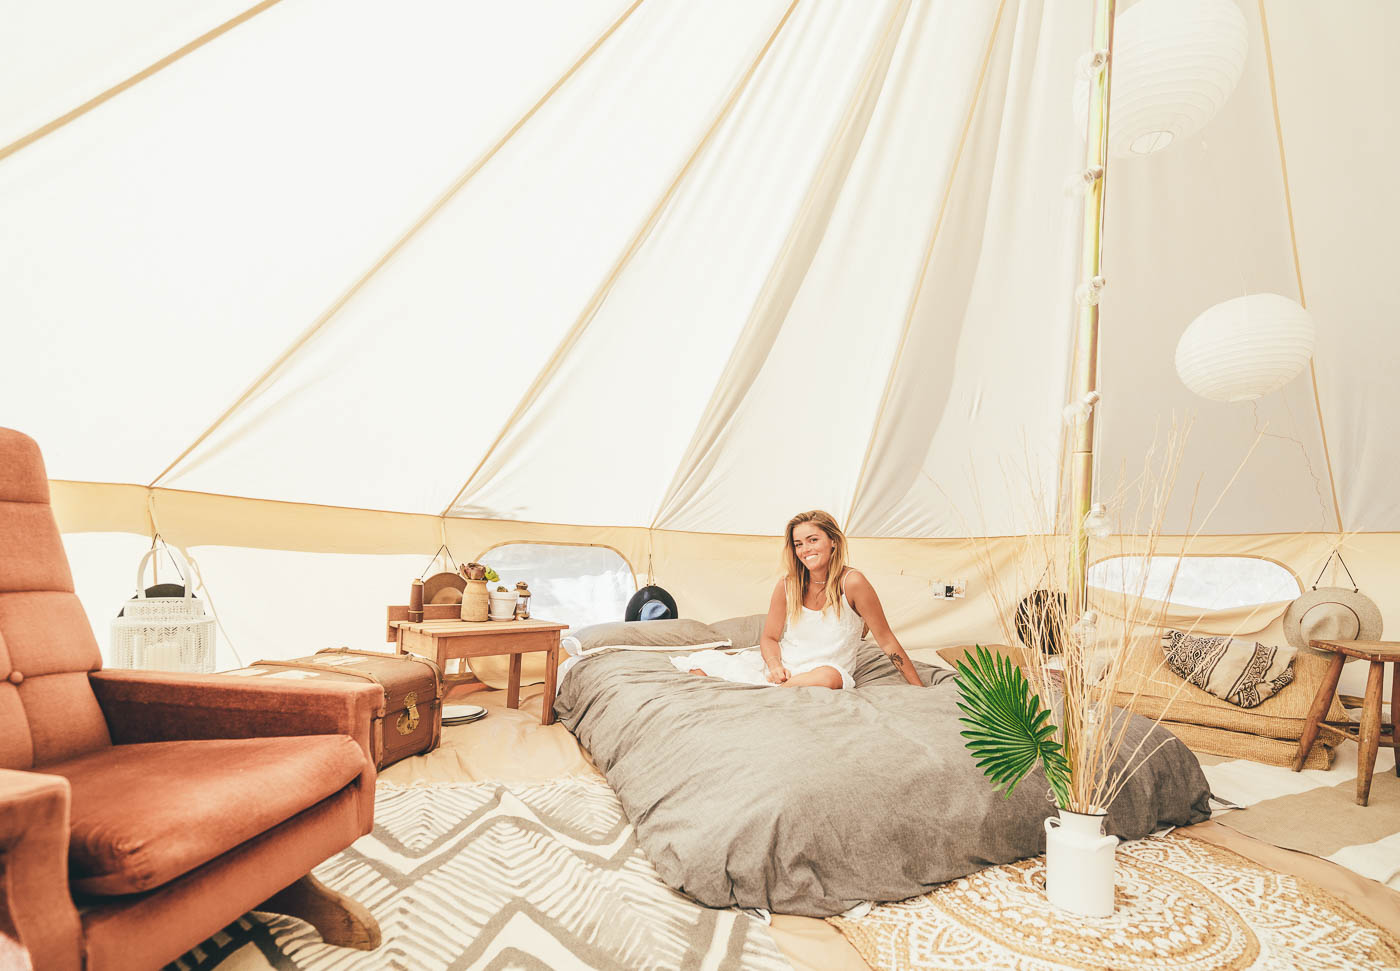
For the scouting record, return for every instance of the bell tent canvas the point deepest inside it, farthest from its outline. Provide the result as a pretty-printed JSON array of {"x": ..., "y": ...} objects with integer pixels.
[{"x": 313, "y": 288}]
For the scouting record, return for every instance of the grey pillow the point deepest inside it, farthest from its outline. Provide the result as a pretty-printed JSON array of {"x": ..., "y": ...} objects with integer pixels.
[
  {"x": 743, "y": 632},
  {"x": 646, "y": 635}
]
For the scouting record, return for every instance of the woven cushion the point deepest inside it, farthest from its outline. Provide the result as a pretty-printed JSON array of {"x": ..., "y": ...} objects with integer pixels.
[
  {"x": 145, "y": 814},
  {"x": 1155, "y": 689}
]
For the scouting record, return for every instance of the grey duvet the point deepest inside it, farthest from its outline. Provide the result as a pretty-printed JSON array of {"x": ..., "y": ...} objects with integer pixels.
[{"x": 808, "y": 801}]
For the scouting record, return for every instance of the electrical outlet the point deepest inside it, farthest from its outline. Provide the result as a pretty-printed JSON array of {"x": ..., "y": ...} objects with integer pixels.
[{"x": 949, "y": 589}]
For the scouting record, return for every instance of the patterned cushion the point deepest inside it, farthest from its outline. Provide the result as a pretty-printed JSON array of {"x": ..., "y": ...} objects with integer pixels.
[{"x": 1241, "y": 672}]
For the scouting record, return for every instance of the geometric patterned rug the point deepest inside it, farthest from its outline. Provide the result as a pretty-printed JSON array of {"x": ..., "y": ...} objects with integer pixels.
[
  {"x": 501, "y": 875},
  {"x": 1181, "y": 903}
]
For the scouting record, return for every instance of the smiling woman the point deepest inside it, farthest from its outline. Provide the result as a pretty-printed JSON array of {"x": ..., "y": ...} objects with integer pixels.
[{"x": 817, "y": 616}]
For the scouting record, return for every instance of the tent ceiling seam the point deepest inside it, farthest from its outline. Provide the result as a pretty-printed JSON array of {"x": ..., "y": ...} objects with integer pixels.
[
  {"x": 143, "y": 74},
  {"x": 1297, "y": 263},
  {"x": 590, "y": 310},
  {"x": 928, "y": 259},
  {"x": 326, "y": 316},
  {"x": 690, "y": 459}
]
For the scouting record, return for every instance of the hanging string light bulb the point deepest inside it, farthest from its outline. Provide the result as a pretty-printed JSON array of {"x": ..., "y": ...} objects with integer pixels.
[
  {"x": 1081, "y": 181},
  {"x": 1086, "y": 629},
  {"x": 1089, "y": 293},
  {"x": 1090, "y": 65},
  {"x": 1096, "y": 523},
  {"x": 1085, "y": 632},
  {"x": 1077, "y": 412}
]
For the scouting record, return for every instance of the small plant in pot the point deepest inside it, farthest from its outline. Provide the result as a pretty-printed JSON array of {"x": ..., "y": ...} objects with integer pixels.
[{"x": 503, "y": 602}]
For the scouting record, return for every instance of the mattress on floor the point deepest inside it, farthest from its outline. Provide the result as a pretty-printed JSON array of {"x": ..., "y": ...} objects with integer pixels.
[{"x": 808, "y": 801}]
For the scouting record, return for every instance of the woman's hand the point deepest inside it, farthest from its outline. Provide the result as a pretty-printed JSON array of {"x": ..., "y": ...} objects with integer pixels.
[{"x": 772, "y": 633}]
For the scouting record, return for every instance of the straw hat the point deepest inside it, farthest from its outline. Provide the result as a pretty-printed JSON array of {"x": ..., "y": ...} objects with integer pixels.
[
  {"x": 443, "y": 588},
  {"x": 1331, "y": 614}
]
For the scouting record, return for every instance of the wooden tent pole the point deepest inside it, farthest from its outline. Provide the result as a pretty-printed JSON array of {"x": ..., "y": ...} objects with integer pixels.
[{"x": 1084, "y": 378}]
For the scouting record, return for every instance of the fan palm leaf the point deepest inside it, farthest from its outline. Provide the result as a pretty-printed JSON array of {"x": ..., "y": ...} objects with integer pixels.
[{"x": 1009, "y": 731}]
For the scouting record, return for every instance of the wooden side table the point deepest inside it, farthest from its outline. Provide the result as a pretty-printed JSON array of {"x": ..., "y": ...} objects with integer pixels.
[
  {"x": 1371, "y": 732},
  {"x": 449, "y": 639}
]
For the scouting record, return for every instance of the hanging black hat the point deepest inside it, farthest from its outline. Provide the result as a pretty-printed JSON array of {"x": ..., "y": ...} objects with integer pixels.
[{"x": 651, "y": 603}]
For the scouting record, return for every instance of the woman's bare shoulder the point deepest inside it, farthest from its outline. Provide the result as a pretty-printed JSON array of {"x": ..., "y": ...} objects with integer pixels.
[{"x": 855, "y": 580}]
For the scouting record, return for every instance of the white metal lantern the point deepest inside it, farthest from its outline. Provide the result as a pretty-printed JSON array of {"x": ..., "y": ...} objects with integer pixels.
[
  {"x": 1175, "y": 64},
  {"x": 1246, "y": 347}
]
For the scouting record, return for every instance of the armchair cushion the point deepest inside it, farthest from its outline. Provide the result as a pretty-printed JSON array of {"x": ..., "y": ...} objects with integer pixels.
[
  {"x": 144, "y": 814},
  {"x": 157, "y": 706}
]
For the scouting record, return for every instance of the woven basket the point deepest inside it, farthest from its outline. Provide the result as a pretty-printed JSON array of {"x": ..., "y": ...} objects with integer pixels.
[{"x": 163, "y": 633}]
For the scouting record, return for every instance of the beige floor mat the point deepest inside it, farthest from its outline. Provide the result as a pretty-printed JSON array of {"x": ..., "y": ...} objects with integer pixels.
[{"x": 1315, "y": 811}]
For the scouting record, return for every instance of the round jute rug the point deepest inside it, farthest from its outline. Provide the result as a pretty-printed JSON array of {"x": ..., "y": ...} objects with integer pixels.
[{"x": 1182, "y": 904}]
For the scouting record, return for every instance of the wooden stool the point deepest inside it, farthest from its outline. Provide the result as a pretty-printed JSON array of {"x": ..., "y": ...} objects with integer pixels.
[{"x": 1369, "y": 736}]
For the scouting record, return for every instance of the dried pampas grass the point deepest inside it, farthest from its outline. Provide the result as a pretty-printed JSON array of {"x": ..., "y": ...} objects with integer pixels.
[{"x": 1076, "y": 653}]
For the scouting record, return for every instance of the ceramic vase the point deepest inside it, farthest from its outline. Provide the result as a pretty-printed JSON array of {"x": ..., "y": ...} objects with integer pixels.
[
  {"x": 475, "y": 601},
  {"x": 1079, "y": 863}
]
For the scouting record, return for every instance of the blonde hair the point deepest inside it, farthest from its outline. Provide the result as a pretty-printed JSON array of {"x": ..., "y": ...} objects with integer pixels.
[{"x": 797, "y": 579}]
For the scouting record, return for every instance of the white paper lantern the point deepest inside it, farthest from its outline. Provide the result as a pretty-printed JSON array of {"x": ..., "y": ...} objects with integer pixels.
[
  {"x": 1246, "y": 347},
  {"x": 1175, "y": 64}
]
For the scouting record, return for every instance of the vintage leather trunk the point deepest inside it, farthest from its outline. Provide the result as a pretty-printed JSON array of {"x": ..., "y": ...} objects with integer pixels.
[{"x": 410, "y": 720}]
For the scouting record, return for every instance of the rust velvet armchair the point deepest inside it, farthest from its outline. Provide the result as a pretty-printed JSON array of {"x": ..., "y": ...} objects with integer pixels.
[{"x": 140, "y": 811}]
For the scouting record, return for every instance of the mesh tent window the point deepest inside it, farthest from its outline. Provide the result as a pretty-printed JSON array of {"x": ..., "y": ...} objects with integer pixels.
[
  {"x": 1206, "y": 581},
  {"x": 574, "y": 585}
]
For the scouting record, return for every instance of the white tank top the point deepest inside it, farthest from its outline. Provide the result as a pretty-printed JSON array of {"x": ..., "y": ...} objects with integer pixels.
[{"x": 819, "y": 637}]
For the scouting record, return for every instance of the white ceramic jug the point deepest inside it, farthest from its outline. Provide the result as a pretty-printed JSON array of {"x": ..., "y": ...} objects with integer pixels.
[{"x": 1079, "y": 864}]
